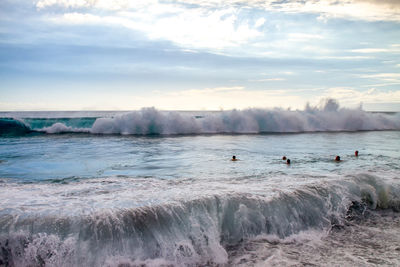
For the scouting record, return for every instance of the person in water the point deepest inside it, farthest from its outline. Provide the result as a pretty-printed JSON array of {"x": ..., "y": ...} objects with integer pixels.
[
  {"x": 356, "y": 153},
  {"x": 288, "y": 161},
  {"x": 284, "y": 158},
  {"x": 337, "y": 158},
  {"x": 234, "y": 158}
]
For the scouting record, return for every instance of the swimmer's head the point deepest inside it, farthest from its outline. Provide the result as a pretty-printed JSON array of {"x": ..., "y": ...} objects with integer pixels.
[
  {"x": 356, "y": 153},
  {"x": 284, "y": 158},
  {"x": 337, "y": 158},
  {"x": 288, "y": 161},
  {"x": 233, "y": 157}
]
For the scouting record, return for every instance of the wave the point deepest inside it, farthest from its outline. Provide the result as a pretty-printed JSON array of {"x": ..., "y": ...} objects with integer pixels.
[
  {"x": 150, "y": 121},
  {"x": 18, "y": 126},
  {"x": 9, "y": 126},
  {"x": 188, "y": 233}
]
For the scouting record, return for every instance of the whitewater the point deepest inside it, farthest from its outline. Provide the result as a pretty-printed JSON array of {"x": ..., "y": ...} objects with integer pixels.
[{"x": 158, "y": 188}]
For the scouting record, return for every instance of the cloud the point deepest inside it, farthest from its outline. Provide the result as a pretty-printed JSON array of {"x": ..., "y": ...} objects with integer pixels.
[
  {"x": 351, "y": 9},
  {"x": 387, "y": 77},
  {"x": 99, "y": 4},
  {"x": 195, "y": 27},
  {"x": 268, "y": 80},
  {"x": 304, "y": 37},
  {"x": 224, "y": 26},
  {"x": 376, "y": 50},
  {"x": 346, "y": 57},
  {"x": 259, "y": 22},
  {"x": 370, "y": 10},
  {"x": 370, "y": 50}
]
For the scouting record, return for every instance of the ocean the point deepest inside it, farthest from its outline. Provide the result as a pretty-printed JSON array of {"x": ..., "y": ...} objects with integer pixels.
[{"x": 158, "y": 188}]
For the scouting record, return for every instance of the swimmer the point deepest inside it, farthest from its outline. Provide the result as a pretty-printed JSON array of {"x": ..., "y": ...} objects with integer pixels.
[
  {"x": 288, "y": 161},
  {"x": 356, "y": 153},
  {"x": 284, "y": 158},
  {"x": 234, "y": 158},
  {"x": 337, "y": 158}
]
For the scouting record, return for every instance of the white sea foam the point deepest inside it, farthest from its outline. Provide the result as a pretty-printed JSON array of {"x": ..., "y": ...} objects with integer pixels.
[
  {"x": 62, "y": 128},
  {"x": 191, "y": 231},
  {"x": 326, "y": 118}
]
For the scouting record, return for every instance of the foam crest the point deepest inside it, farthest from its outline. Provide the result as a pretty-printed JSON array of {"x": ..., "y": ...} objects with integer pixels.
[
  {"x": 62, "y": 128},
  {"x": 327, "y": 118},
  {"x": 191, "y": 232},
  {"x": 146, "y": 122}
]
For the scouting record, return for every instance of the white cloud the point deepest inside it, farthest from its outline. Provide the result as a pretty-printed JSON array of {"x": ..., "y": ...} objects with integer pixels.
[
  {"x": 268, "y": 80},
  {"x": 196, "y": 27},
  {"x": 259, "y": 22},
  {"x": 387, "y": 77},
  {"x": 383, "y": 75},
  {"x": 381, "y": 84},
  {"x": 99, "y": 4},
  {"x": 376, "y": 50},
  {"x": 64, "y": 3},
  {"x": 353, "y": 9},
  {"x": 304, "y": 37},
  {"x": 371, "y": 10},
  {"x": 370, "y": 50},
  {"x": 346, "y": 57},
  {"x": 287, "y": 72},
  {"x": 220, "y": 25}
]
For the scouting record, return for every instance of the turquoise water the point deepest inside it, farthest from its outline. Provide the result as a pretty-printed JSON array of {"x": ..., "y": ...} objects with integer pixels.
[{"x": 43, "y": 157}]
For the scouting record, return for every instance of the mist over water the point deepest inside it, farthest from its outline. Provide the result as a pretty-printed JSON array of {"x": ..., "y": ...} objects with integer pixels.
[{"x": 151, "y": 188}]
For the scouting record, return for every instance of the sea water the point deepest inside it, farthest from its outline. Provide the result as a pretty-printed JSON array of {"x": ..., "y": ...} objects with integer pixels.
[{"x": 158, "y": 188}]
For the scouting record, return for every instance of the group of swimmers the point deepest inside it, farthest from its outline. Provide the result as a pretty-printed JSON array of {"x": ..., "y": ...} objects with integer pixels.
[
  {"x": 355, "y": 154},
  {"x": 337, "y": 158}
]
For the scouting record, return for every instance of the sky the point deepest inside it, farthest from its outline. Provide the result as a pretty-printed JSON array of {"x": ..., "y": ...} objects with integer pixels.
[{"x": 198, "y": 54}]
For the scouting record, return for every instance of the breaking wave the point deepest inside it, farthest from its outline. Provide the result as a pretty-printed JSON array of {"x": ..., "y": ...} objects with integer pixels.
[
  {"x": 188, "y": 233},
  {"x": 9, "y": 126},
  {"x": 150, "y": 121}
]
